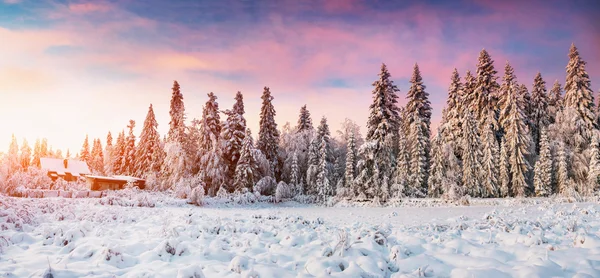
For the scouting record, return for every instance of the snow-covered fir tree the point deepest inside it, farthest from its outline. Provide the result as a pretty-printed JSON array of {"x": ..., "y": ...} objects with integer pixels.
[
  {"x": 539, "y": 110},
  {"x": 295, "y": 173},
  {"x": 469, "y": 98},
  {"x": 148, "y": 155},
  {"x": 508, "y": 90},
  {"x": 436, "y": 173},
  {"x": 128, "y": 164},
  {"x": 350, "y": 161},
  {"x": 418, "y": 143},
  {"x": 14, "y": 164},
  {"x": 324, "y": 187},
  {"x": 402, "y": 171},
  {"x": 304, "y": 120},
  {"x": 108, "y": 154},
  {"x": 489, "y": 164},
  {"x": 211, "y": 164},
  {"x": 563, "y": 183},
  {"x": 232, "y": 135},
  {"x": 485, "y": 90},
  {"x": 84, "y": 154},
  {"x": 44, "y": 148},
  {"x": 97, "y": 157},
  {"x": 516, "y": 133},
  {"x": 454, "y": 109},
  {"x": 543, "y": 169},
  {"x": 578, "y": 92},
  {"x": 313, "y": 167},
  {"x": 268, "y": 135},
  {"x": 384, "y": 117},
  {"x": 504, "y": 170},
  {"x": 418, "y": 102},
  {"x": 554, "y": 101},
  {"x": 593, "y": 183},
  {"x": 118, "y": 154},
  {"x": 35, "y": 160},
  {"x": 471, "y": 147},
  {"x": 25, "y": 155},
  {"x": 246, "y": 171},
  {"x": 177, "y": 113}
]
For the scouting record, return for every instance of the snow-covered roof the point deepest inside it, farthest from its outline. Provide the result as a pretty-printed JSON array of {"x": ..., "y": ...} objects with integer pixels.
[{"x": 75, "y": 167}]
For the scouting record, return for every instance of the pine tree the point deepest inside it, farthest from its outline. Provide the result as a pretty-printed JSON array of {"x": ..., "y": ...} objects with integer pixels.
[
  {"x": 543, "y": 168},
  {"x": 35, "y": 161},
  {"x": 578, "y": 92},
  {"x": 232, "y": 134},
  {"x": 25, "y": 156},
  {"x": 454, "y": 109},
  {"x": 384, "y": 115},
  {"x": 177, "y": 113},
  {"x": 295, "y": 174},
  {"x": 268, "y": 135},
  {"x": 350, "y": 161},
  {"x": 84, "y": 154},
  {"x": 469, "y": 98},
  {"x": 246, "y": 172},
  {"x": 323, "y": 184},
  {"x": 489, "y": 169},
  {"x": 127, "y": 167},
  {"x": 418, "y": 102},
  {"x": 594, "y": 168},
  {"x": 149, "y": 150},
  {"x": 437, "y": 167},
  {"x": 13, "y": 155},
  {"x": 108, "y": 154},
  {"x": 554, "y": 101},
  {"x": 313, "y": 164},
  {"x": 508, "y": 91},
  {"x": 118, "y": 154},
  {"x": 471, "y": 156},
  {"x": 505, "y": 181},
  {"x": 539, "y": 110},
  {"x": 97, "y": 157},
  {"x": 402, "y": 172},
  {"x": 485, "y": 90},
  {"x": 563, "y": 183},
  {"x": 417, "y": 186},
  {"x": 304, "y": 120},
  {"x": 212, "y": 168},
  {"x": 44, "y": 148}
]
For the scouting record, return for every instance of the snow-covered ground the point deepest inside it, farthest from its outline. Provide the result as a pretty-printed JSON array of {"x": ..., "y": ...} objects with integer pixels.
[{"x": 99, "y": 238}]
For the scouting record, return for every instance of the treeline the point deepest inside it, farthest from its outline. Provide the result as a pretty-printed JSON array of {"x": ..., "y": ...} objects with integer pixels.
[{"x": 496, "y": 139}]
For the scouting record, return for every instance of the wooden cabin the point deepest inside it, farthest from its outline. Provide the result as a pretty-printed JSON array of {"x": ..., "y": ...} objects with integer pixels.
[
  {"x": 99, "y": 183},
  {"x": 67, "y": 169}
]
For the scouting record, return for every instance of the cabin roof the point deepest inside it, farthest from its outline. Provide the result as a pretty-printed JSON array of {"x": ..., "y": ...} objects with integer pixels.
[{"x": 74, "y": 167}]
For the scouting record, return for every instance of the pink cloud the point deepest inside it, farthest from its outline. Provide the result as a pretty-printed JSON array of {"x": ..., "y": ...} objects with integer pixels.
[{"x": 90, "y": 7}]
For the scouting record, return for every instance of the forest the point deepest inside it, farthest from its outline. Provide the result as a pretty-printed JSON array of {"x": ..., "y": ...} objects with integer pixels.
[{"x": 496, "y": 139}]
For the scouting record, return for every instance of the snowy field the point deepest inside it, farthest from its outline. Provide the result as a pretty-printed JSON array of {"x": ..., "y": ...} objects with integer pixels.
[{"x": 106, "y": 238}]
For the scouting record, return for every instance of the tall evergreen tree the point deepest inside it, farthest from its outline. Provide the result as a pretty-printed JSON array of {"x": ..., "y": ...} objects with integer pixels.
[
  {"x": 13, "y": 155},
  {"x": 350, "y": 161},
  {"x": 84, "y": 154},
  {"x": 594, "y": 167},
  {"x": 304, "y": 120},
  {"x": 489, "y": 170},
  {"x": 418, "y": 102},
  {"x": 384, "y": 117},
  {"x": 469, "y": 98},
  {"x": 35, "y": 161},
  {"x": 25, "y": 156},
  {"x": 268, "y": 135},
  {"x": 212, "y": 168},
  {"x": 177, "y": 113},
  {"x": 554, "y": 101},
  {"x": 44, "y": 148},
  {"x": 485, "y": 90},
  {"x": 402, "y": 172},
  {"x": 97, "y": 157},
  {"x": 578, "y": 92},
  {"x": 418, "y": 140},
  {"x": 436, "y": 173},
  {"x": 539, "y": 110},
  {"x": 295, "y": 174},
  {"x": 543, "y": 167},
  {"x": 232, "y": 134},
  {"x": 128, "y": 163},
  {"x": 471, "y": 156},
  {"x": 148, "y": 153},
  {"x": 108, "y": 154},
  {"x": 246, "y": 172},
  {"x": 323, "y": 182},
  {"x": 118, "y": 154},
  {"x": 454, "y": 109},
  {"x": 505, "y": 177},
  {"x": 563, "y": 183}
]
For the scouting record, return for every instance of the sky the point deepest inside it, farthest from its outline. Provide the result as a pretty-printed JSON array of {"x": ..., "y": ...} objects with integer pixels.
[{"x": 71, "y": 68}]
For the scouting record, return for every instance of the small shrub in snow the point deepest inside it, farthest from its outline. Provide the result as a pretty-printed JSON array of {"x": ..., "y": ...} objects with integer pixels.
[
  {"x": 197, "y": 196},
  {"x": 266, "y": 186},
  {"x": 238, "y": 264},
  {"x": 284, "y": 191},
  {"x": 33, "y": 178},
  {"x": 192, "y": 271}
]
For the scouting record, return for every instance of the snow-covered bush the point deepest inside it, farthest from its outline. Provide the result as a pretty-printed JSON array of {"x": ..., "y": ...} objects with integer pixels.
[
  {"x": 183, "y": 188},
  {"x": 284, "y": 191},
  {"x": 33, "y": 178},
  {"x": 197, "y": 195},
  {"x": 266, "y": 186}
]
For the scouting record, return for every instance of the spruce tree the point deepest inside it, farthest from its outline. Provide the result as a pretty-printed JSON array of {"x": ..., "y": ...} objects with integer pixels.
[
  {"x": 118, "y": 154},
  {"x": 543, "y": 168},
  {"x": 402, "y": 172},
  {"x": 268, "y": 135},
  {"x": 127, "y": 166},
  {"x": 485, "y": 90},
  {"x": 539, "y": 110},
  {"x": 149, "y": 151},
  {"x": 508, "y": 90},
  {"x": 384, "y": 117},
  {"x": 44, "y": 148},
  {"x": 594, "y": 167},
  {"x": 212, "y": 167},
  {"x": 563, "y": 184},
  {"x": 454, "y": 109},
  {"x": 246, "y": 171},
  {"x": 418, "y": 140},
  {"x": 578, "y": 92},
  {"x": 177, "y": 113},
  {"x": 304, "y": 120},
  {"x": 323, "y": 182},
  {"x": 505, "y": 182},
  {"x": 295, "y": 173},
  {"x": 25, "y": 156},
  {"x": 97, "y": 165},
  {"x": 108, "y": 154},
  {"x": 84, "y": 154},
  {"x": 350, "y": 161},
  {"x": 232, "y": 134},
  {"x": 14, "y": 164},
  {"x": 35, "y": 161},
  {"x": 313, "y": 164},
  {"x": 471, "y": 147},
  {"x": 469, "y": 98},
  {"x": 418, "y": 101},
  {"x": 554, "y": 101},
  {"x": 436, "y": 173},
  {"x": 489, "y": 170}
]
